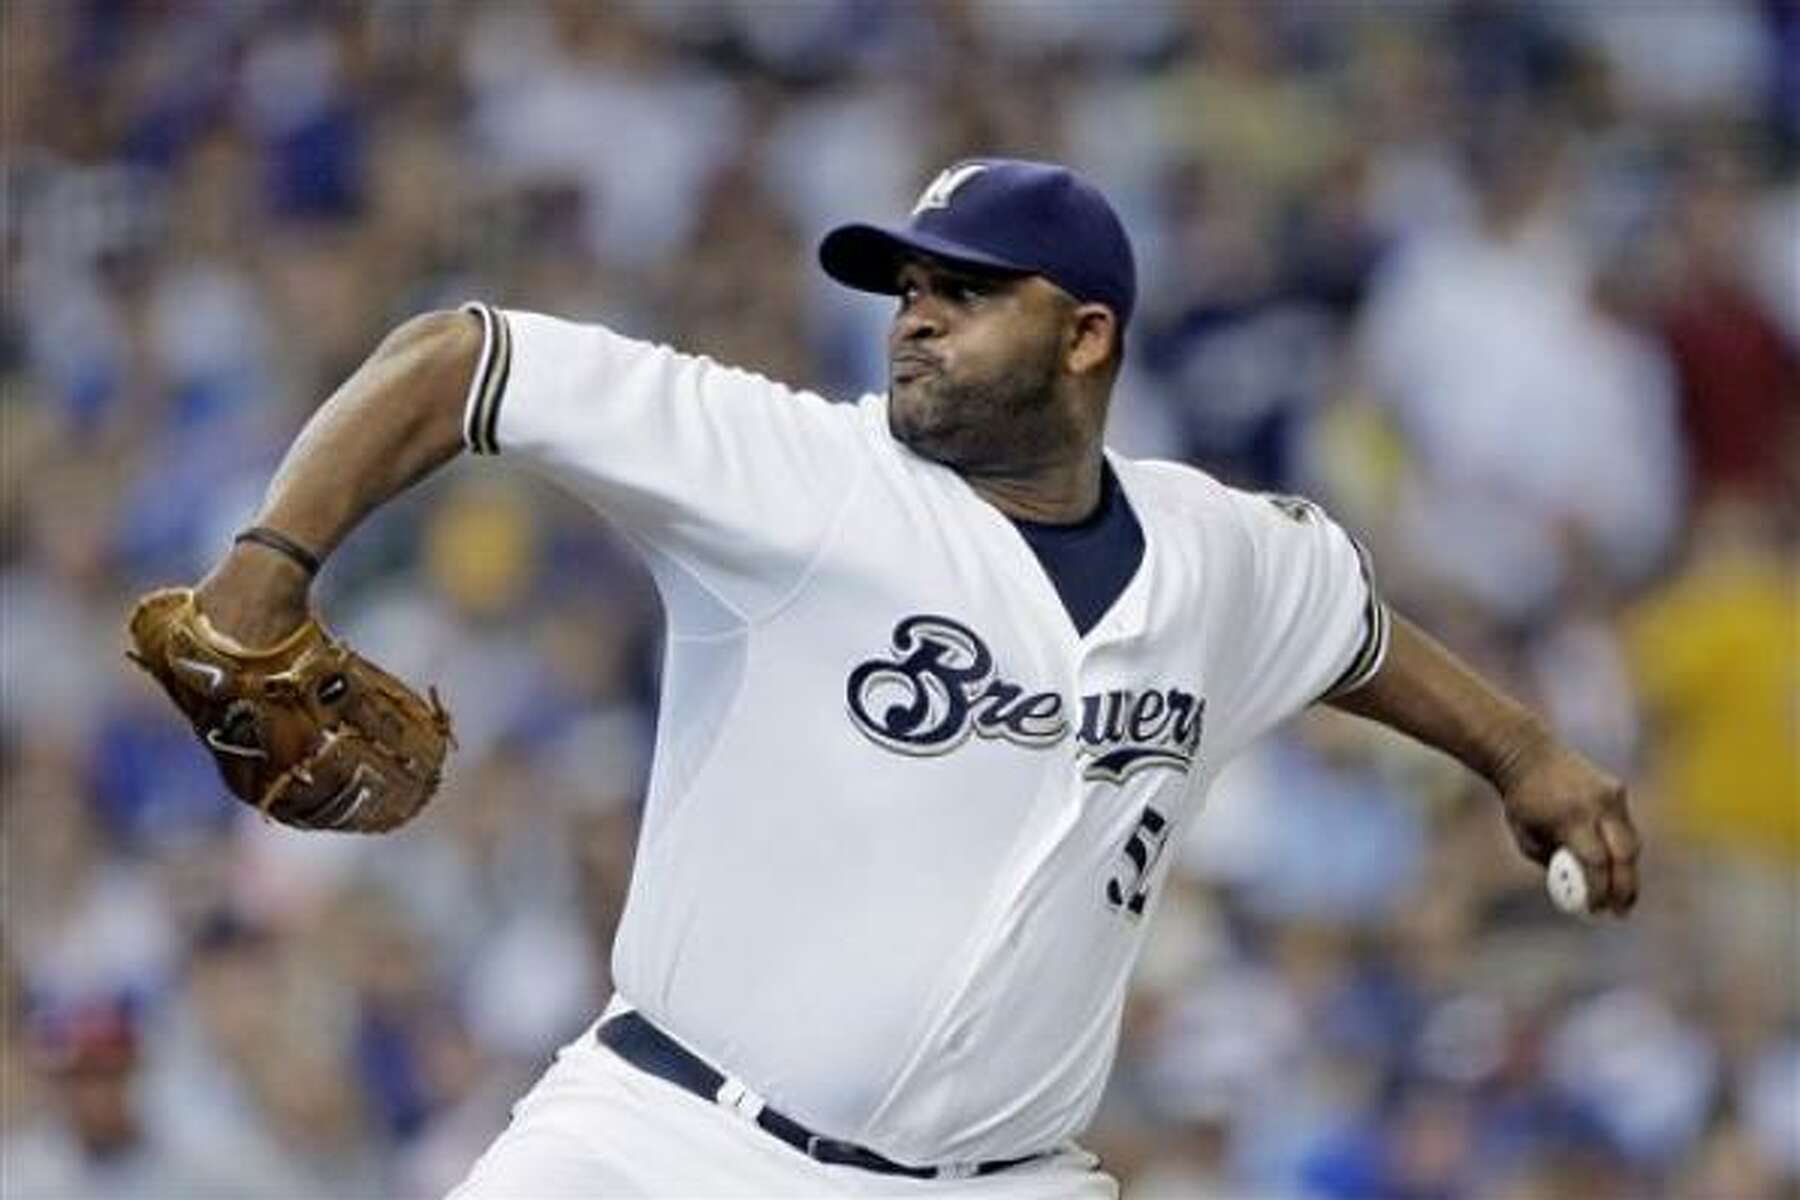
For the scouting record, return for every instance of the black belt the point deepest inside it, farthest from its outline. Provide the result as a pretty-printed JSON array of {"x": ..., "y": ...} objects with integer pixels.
[{"x": 648, "y": 1048}]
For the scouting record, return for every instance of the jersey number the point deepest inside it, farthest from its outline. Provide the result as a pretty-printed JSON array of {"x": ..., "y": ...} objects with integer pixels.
[{"x": 1129, "y": 888}]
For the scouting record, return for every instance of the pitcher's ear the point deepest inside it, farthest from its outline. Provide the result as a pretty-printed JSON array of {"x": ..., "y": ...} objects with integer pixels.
[{"x": 1095, "y": 333}]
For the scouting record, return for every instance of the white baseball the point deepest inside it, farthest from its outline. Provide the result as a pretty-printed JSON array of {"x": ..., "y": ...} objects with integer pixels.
[{"x": 1567, "y": 882}]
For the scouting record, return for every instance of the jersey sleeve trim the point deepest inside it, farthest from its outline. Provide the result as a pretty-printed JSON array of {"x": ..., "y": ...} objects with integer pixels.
[
  {"x": 1373, "y": 651},
  {"x": 481, "y": 408}
]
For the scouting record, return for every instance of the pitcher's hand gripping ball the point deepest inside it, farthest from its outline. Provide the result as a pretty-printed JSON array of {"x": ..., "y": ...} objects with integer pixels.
[{"x": 308, "y": 731}]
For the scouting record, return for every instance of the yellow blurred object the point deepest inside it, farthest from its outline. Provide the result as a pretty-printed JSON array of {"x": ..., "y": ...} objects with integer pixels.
[
  {"x": 1717, "y": 657},
  {"x": 481, "y": 547},
  {"x": 1361, "y": 460}
]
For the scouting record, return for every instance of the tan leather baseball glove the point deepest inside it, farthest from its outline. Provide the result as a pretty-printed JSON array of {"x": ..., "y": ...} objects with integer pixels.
[{"x": 308, "y": 731}]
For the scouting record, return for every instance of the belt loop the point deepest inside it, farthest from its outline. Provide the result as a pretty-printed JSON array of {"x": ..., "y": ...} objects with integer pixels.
[{"x": 737, "y": 1096}]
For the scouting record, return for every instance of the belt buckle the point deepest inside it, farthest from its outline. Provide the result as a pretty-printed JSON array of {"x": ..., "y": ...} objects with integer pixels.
[{"x": 812, "y": 1146}]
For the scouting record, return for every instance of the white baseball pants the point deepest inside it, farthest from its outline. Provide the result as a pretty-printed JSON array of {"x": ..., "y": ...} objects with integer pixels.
[{"x": 598, "y": 1128}]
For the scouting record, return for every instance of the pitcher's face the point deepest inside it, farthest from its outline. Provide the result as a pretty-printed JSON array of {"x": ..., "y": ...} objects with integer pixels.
[{"x": 974, "y": 362}]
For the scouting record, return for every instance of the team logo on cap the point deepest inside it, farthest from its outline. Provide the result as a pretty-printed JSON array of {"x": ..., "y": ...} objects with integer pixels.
[{"x": 945, "y": 185}]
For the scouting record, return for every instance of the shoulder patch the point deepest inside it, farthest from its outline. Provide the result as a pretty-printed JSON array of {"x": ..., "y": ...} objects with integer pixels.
[{"x": 1294, "y": 508}]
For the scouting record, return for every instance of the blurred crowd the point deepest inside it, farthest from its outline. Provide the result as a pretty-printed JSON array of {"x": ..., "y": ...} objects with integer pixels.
[{"x": 1514, "y": 289}]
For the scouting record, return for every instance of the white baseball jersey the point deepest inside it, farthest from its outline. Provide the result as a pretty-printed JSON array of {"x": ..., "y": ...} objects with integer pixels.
[{"x": 905, "y": 822}]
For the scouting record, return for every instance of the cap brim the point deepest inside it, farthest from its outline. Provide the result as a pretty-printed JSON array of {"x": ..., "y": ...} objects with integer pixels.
[{"x": 868, "y": 257}]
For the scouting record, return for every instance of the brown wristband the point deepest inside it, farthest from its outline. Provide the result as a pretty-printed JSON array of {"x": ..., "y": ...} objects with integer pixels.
[{"x": 281, "y": 543}]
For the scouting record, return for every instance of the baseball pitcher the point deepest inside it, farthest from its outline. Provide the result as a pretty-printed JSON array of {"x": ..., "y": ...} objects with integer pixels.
[{"x": 945, "y": 680}]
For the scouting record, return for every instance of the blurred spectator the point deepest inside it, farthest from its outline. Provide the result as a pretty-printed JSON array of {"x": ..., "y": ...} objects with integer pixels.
[
  {"x": 1306, "y": 829},
  {"x": 1640, "y": 1072},
  {"x": 244, "y": 1069},
  {"x": 81, "y": 921},
  {"x": 99, "y": 1139},
  {"x": 1532, "y": 414},
  {"x": 1716, "y": 652},
  {"x": 1739, "y": 375},
  {"x": 540, "y": 73}
]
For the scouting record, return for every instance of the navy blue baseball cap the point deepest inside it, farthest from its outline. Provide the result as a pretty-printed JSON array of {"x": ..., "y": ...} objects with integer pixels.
[{"x": 999, "y": 214}]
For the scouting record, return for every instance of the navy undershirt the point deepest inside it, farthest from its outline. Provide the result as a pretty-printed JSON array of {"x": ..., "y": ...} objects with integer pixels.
[{"x": 1091, "y": 561}]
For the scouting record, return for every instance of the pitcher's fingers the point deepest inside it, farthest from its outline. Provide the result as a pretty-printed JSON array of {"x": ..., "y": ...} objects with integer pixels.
[
  {"x": 1622, "y": 845},
  {"x": 1585, "y": 843}
]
